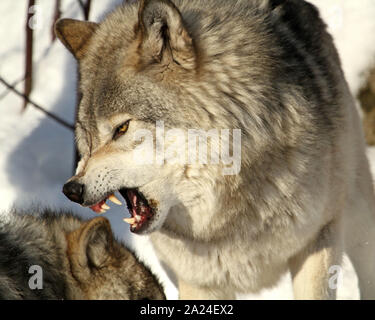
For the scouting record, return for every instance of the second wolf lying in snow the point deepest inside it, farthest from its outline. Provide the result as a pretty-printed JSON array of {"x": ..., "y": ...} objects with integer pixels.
[{"x": 268, "y": 68}]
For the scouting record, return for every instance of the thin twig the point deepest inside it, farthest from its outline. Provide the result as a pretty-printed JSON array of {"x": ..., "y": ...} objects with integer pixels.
[
  {"x": 56, "y": 17},
  {"x": 6, "y": 92},
  {"x": 29, "y": 53},
  {"x": 85, "y": 8},
  {"x": 49, "y": 114},
  {"x": 80, "y": 2}
]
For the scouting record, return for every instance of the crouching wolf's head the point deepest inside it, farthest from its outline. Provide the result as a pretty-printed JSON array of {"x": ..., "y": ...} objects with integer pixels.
[
  {"x": 139, "y": 77},
  {"x": 74, "y": 259}
]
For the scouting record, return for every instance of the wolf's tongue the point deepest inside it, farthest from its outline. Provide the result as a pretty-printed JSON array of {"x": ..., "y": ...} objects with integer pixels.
[{"x": 98, "y": 207}]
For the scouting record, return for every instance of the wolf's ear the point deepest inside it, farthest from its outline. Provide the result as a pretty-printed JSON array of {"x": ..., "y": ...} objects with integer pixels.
[
  {"x": 90, "y": 247},
  {"x": 75, "y": 35},
  {"x": 162, "y": 28}
]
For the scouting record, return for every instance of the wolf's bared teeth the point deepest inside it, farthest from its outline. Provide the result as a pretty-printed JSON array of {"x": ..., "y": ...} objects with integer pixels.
[
  {"x": 115, "y": 200},
  {"x": 138, "y": 218},
  {"x": 106, "y": 207},
  {"x": 130, "y": 221}
]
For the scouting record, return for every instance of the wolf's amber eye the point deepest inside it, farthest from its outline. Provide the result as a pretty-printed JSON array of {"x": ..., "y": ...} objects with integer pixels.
[{"x": 121, "y": 130}]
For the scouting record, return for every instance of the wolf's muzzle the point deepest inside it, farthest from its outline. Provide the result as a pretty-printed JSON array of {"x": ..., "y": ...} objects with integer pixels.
[{"x": 74, "y": 191}]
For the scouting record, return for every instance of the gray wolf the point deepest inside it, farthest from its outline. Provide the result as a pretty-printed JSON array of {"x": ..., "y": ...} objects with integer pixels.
[
  {"x": 269, "y": 68},
  {"x": 78, "y": 260}
]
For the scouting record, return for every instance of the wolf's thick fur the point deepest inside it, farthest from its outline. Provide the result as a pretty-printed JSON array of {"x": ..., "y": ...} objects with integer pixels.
[
  {"x": 79, "y": 260},
  {"x": 269, "y": 68}
]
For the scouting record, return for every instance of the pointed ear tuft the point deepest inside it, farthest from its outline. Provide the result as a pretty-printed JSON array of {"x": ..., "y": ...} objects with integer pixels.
[
  {"x": 162, "y": 28},
  {"x": 75, "y": 35}
]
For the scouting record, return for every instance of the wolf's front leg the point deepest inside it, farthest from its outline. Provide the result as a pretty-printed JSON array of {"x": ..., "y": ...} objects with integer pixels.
[
  {"x": 311, "y": 267},
  {"x": 188, "y": 292}
]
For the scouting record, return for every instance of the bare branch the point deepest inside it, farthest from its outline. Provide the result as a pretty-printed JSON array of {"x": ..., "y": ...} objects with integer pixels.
[
  {"x": 85, "y": 8},
  {"x": 49, "y": 114},
  {"x": 7, "y": 91},
  {"x": 56, "y": 17},
  {"x": 29, "y": 54}
]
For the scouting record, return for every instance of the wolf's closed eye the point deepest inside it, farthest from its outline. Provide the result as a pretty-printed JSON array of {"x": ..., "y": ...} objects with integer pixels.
[{"x": 121, "y": 130}]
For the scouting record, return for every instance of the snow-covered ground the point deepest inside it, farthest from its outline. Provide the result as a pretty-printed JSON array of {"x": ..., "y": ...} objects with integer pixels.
[{"x": 36, "y": 153}]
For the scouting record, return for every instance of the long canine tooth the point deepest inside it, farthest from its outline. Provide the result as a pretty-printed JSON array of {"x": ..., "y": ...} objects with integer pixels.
[
  {"x": 106, "y": 207},
  {"x": 114, "y": 199},
  {"x": 130, "y": 221},
  {"x": 138, "y": 218}
]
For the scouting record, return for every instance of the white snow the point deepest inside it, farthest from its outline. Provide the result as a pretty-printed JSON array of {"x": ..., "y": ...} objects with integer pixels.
[{"x": 36, "y": 153}]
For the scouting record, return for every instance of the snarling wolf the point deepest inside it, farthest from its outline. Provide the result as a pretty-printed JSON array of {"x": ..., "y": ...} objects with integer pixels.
[
  {"x": 268, "y": 68},
  {"x": 76, "y": 260}
]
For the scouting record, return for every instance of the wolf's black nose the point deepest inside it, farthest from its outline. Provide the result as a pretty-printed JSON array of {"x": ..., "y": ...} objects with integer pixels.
[{"x": 74, "y": 191}]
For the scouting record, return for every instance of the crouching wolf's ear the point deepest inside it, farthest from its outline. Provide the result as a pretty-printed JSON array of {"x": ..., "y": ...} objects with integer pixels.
[
  {"x": 75, "y": 35},
  {"x": 90, "y": 247},
  {"x": 163, "y": 34}
]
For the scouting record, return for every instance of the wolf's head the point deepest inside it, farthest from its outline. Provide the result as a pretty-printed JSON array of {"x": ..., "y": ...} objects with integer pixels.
[
  {"x": 98, "y": 266},
  {"x": 139, "y": 77}
]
